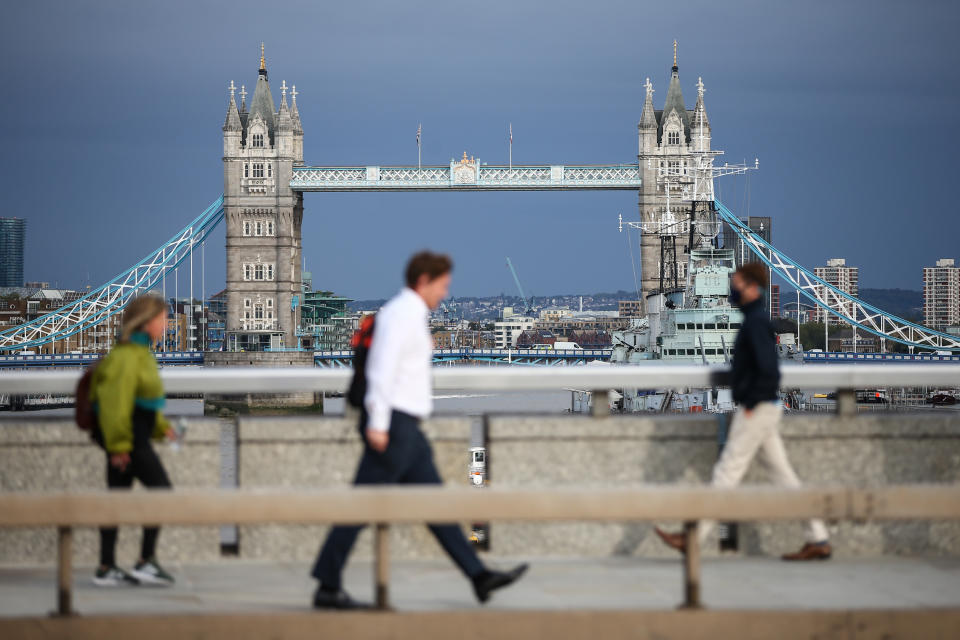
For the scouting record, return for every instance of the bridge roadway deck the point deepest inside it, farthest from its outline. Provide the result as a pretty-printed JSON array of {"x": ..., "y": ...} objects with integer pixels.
[{"x": 739, "y": 583}]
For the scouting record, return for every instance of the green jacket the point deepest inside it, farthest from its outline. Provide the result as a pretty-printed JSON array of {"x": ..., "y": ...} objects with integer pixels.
[{"x": 127, "y": 377}]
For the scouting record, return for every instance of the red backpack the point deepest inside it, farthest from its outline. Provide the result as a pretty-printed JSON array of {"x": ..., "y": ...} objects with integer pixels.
[{"x": 360, "y": 342}]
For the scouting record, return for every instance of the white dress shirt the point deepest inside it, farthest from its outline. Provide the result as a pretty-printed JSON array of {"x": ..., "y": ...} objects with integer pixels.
[{"x": 399, "y": 362}]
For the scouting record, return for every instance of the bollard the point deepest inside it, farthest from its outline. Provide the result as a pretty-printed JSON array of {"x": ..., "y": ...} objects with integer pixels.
[
  {"x": 691, "y": 568},
  {"x": 381, "y": 565},
  {"x": 846, "y": 402},
  {"x": 601, "y": 403},
  {"x": 64, "y": 571}
]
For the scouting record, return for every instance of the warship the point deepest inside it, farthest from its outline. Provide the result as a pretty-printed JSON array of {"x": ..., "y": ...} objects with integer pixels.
[{"x": 690, "y": 324}]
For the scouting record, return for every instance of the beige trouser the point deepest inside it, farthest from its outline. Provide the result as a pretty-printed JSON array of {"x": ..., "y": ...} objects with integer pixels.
[{"x": 747, "y": 435}]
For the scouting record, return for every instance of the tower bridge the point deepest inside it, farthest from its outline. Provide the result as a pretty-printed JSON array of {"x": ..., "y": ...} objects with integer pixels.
[{"x": 265, "y": 178}]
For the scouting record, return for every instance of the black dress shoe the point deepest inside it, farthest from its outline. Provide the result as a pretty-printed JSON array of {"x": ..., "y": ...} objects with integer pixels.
[
  {"x": 340, "y": 600},
  {"x": 488, "y": 581}
]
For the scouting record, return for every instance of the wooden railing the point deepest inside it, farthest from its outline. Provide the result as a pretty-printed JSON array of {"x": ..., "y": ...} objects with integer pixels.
[{"x": 383, "y": 506}]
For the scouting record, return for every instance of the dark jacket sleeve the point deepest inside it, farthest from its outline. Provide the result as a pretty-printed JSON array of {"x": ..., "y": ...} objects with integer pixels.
[
  {"x": 764, "y": 352},
  {"x": 766, "y": 368}
]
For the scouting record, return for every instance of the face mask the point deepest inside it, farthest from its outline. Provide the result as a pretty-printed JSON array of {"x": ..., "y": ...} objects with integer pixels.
[{"x": 735, "y": 298}]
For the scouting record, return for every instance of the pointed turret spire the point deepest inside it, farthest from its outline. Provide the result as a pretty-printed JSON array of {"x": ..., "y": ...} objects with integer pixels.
[
  {"x": 674, "y": 101},
  {"x": 243, "y": 98},
  {"x": 700, "y": 111},
  {"x": 294, "y": 113},
  {"x": 700, "y": 124},
  {"x": 261, "y": 104},
  {"x": 648, "y": 118},
  {"x": 284, "y": 120},
  {"x": 232, "y": 123}
]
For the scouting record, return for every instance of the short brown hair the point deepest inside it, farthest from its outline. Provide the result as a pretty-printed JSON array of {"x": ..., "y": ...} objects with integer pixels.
[
  {"x": 755, "y": 273},
  {"x": 427, "y": 262}
]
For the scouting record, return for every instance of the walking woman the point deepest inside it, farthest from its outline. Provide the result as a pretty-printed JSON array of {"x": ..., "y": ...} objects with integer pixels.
[{"x": 127, "y": 395}]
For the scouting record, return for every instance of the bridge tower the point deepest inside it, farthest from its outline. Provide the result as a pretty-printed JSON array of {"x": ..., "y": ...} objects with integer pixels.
[
  {"x": 261, "y": 145},
  {"x": 669, "y": 141}
]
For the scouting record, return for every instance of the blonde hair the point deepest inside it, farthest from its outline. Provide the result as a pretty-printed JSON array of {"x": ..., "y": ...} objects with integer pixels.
[{"x": 139, "y": 312}]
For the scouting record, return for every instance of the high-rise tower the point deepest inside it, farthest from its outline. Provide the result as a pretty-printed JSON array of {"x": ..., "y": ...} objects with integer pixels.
[
  {"x": 669, "y": 140},
  {"x": 12, "y": 232},
  {"x": 261, "y": 145},
  {"x": 941, "y": 295}
]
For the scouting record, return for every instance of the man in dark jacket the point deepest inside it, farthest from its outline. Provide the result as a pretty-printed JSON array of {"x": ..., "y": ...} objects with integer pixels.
[{"x": 756, "y": 379}]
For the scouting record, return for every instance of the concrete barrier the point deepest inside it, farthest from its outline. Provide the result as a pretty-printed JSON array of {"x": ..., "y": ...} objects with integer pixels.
[
  {"x": 323, "y": 453},
  {"x": 625, "y": 451},
  {"x": 524, "y": 452},
  {"x": 54, "y": 455}
]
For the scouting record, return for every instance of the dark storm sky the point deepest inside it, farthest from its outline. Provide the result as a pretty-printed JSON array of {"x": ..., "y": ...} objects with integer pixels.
[{"x": 112, "y": 112}]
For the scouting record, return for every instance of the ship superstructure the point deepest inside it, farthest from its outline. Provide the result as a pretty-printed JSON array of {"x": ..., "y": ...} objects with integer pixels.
[{"x": 687, "y": 325}]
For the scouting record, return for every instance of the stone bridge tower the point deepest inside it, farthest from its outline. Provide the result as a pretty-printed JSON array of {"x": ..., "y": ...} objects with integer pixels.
[
  {"x": 668, "y": 140},
  {"x": 261, "y": 145}
]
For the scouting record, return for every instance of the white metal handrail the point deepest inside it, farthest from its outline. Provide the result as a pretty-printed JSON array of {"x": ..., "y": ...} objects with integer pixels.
[{"x": 234, "y": 380}]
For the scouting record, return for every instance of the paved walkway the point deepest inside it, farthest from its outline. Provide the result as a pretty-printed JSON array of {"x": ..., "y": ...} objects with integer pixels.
[{"x": 562, "y": 583}]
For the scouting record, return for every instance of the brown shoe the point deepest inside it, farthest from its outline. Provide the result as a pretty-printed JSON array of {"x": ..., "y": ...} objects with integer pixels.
[
  {"x": 811, "y": 551},
  {"x": 676, "y": 540}
]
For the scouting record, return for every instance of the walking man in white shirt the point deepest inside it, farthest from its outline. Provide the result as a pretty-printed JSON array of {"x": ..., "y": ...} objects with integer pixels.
[{"x": 399, "y": 395}]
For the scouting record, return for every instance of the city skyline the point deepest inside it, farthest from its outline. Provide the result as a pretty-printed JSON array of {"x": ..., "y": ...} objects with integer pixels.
[{"x": 133, "y": 148}]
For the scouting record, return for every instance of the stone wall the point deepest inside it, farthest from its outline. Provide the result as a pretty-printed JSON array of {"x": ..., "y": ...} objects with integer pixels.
[
  {"x": 865, "y": 450},
  {"x": 323, "y": 452},
  {"x": 54, "y": 455},
  {"x": 529, "y": 451}
]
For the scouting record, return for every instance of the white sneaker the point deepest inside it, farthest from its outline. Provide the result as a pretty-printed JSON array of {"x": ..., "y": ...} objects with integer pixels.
[
  {"x": 149, "y": 572},
  {"x": 114, "y": 577}
]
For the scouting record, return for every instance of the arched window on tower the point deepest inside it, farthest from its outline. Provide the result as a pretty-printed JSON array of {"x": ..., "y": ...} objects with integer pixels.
[
  {"x": 257, "y": 169},
  {"x": 269, "y": 169},
  {"x": 673, "y": 137},
  {"x": 258, "y": 140},
  {"x": 246, "y": 169}
]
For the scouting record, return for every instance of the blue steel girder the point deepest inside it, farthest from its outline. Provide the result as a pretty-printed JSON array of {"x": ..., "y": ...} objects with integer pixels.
[
  {"x": 468, "y": 175},
  {"x": 841, "y": 304},
  {"x": 111, "y": 298}
]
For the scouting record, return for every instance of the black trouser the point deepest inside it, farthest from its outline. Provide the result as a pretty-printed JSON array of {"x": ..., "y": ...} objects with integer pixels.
[
  {"x": 408, "y": 459},
  {"x": 146, "y": 467}
]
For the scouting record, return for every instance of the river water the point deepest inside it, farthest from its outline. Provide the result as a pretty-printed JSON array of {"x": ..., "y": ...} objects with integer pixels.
[{"x": 448, "y": 402}]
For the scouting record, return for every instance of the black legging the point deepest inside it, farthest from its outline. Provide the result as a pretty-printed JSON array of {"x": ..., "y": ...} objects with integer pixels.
[{"x": 146, "y": 467}]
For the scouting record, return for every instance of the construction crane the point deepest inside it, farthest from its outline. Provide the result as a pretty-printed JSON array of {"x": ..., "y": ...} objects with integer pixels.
[{"x": 526, "y": 304}]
